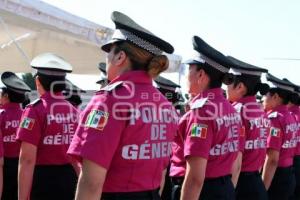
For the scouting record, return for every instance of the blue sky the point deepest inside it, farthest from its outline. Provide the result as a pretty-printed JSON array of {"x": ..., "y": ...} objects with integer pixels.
[{"x": 250, "y": 30}]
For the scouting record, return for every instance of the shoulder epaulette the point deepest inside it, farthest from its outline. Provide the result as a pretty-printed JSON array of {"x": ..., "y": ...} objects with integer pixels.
[
  {"x": 1, "y": 111},
  {"x": 238, "y": 107},
  {"x": 199, "y": 103},
  {"x": 111, "y": 87},
  {"x": 273, "y": 115},
  {"x": 35, "y": 102}
]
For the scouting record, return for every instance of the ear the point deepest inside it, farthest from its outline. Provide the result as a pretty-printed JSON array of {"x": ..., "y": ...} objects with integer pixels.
[
  {"x": 275, "y": 96},
  {"x": 37, "y": 81},
  {"x": 200, "y": 74},
  {"x": 242, "y": 88},
  {"x": 119, "y": 58}
]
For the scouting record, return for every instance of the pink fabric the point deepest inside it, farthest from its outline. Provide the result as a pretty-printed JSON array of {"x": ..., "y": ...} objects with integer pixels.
[
  {"x": 127, "y": 137},
  {"x": 257, "y": 129},
  {"x": 296, "y": 113},
  {"x": 50, "y": 125},
  {"x": 10, "y": 120},
  {"x": 218, "y": 141},
  {"x": 285, "y": 142}
]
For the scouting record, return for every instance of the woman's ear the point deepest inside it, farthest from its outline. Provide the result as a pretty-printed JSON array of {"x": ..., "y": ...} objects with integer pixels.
[
  {"x": 242, "y": 88},
  {"x": 119, "y": 58}
]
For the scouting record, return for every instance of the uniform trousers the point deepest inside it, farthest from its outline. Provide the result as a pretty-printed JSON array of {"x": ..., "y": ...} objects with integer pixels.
[
  {"x": 250, "y": 186},
  {"x": 10, "y": 179},
  {"x": 297, "y": 174},
  {"x": 176, "y": 187},
  {"x": 53, "y": 182},
  {"x": 220, "y": 188},
  {"x": 283, "y": 184}
]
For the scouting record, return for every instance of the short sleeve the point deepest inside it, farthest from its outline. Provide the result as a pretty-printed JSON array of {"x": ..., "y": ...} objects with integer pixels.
[
  {"x": 199, "y": 136},
  {"x": 275, "y": 137},
  {"x": 30, "y": 127},
  {"x": 99, "y": 131}
]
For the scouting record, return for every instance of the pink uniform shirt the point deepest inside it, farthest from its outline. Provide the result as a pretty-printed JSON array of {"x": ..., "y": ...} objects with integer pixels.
[
  {"x": 49, "y": 124},
  {"x": 9, "y": 123},
  {"x": 296, "y": 113},
  {"x": 127, "y": 128},
  {"x": 211, "y": 130},
  {"x": 283, "y": 134},
  {"x": 1, "y": 139},
  {"x": 257, "y": 129}
]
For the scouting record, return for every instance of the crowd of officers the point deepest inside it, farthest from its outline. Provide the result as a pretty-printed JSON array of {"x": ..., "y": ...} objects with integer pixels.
[{"x": 131, "y": 141}]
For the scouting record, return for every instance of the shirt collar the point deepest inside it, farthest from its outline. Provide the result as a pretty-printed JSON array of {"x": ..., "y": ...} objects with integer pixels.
[
  {"x": 50, "y": 95},
  {"x": 247, "y": 99},
  {"x": 280, "y": 108},
  {"x": 294, "y": 108},
  {"x": 210, "y": 94},
  {"x": 135, "y": 77}
]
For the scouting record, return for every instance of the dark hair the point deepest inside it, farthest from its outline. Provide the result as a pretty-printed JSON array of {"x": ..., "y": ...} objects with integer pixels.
[
  {"x": 283, "y": 94},
  {"x": 13, "y": 96},
  {"x": 294, "y": 98},
  {"x": 252, "y": 83},
  {"x": 216, "y": 77},
  {"x": 75, "y": 100},
  {"x": 54, "y": 83},
  {"x": 26, "y": 101}
]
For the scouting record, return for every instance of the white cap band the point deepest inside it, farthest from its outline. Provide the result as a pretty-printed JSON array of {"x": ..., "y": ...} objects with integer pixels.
[{"x": 126, "y": 35}]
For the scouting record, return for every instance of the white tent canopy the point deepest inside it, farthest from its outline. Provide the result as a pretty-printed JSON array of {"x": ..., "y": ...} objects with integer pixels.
[{"x": 28, "y": 28}]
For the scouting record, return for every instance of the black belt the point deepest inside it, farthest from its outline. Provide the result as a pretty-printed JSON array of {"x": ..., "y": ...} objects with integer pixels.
[
  {"x": 256, "y": 173},
  {"x": 11, "y": 161},
  {"x": 222, "y": 179},
  {"x": 119, "y": 195},
  {"x": 177, "y": 180}
]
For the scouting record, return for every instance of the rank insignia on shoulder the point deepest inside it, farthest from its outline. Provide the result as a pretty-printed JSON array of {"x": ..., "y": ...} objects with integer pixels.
[
  {"x": 35, "y": 102},
  {"x": 97, "y": 119},
  {"x": 238, "y": 107},
  {"x": 27, "y": 123},
  {"x": 111, "y": 87},
  {"x": 273, "y": 115},
  {"x": 199, "y": 130},
  {"x": 199, "y": 103}
]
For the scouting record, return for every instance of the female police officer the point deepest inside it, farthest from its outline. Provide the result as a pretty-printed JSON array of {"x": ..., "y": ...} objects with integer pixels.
[
  {"x": 278, "y": 174},
  {"x": 126, "y": 130},
  {"x": 45, "y": 132},
  {"x": 293, "y": 107},
  {"x": 209, "y": 133},
  {"x": 12, "y": 95},
  {"x": 256, "y": 127}
]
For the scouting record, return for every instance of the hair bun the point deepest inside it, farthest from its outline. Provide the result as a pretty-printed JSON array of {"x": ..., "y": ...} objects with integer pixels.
[{"x": 157, "y": 65}]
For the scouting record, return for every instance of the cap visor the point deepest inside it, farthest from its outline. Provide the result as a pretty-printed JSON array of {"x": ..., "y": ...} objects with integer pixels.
[
  {"x": 106, "y": 47},
  {"x": 191, "y": 61}
]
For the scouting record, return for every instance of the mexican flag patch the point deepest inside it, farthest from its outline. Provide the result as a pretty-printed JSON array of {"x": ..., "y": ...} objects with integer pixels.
[
  {"x": 275, "y": 132},
  {"x": 199, "y": 130},
  {"x": 97, "y": 119},
  {"x": 27, "y": 123}
]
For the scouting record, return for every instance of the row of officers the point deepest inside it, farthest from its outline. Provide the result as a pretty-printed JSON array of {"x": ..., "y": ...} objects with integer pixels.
[{"x": 130, "y": 143}]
